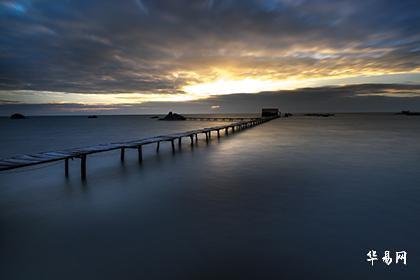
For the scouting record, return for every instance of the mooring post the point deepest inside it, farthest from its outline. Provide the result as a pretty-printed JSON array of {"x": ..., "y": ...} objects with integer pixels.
[
  {"x": 173, "y": 146},
  {"x": 157, "y": 146},
  {"x": 196, "y": 137},
  {"x": 207, "y": 137},
  {"x": 122, "y": 157},
  {"x": 66, "y": 167},
  {"x": 227, "y": 131},
  {"x": 140, "y": 153},
  {"x": 218, "y": 133},
  {"x": 192, "y": 139},
  {"x": 83, "y": 166}
]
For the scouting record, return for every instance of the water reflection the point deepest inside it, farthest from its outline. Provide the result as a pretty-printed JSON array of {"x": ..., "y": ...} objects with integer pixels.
[{"x": 269, "y": 202}]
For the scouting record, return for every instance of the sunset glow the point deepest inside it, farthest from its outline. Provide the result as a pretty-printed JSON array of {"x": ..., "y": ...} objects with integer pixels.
[{"x": 221, "y": 87}]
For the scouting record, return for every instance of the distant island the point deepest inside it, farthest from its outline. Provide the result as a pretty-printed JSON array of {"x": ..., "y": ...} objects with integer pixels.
[
  {"x": 17, "y": 116},
  {"x": 319, "y": 115},
  {"x": 408, "y": 113}
]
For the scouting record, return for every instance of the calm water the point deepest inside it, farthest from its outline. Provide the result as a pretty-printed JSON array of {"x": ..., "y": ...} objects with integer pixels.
[{"x": 297, "y": 198}]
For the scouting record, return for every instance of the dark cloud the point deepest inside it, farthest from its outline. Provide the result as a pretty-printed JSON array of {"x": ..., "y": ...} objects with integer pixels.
[
  {"x": 136, "y": 46},
  {"x": 355, "y": 98}
]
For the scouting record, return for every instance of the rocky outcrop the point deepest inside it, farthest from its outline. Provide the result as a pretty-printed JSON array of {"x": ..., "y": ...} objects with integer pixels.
[{"x": 173, "y": 117}]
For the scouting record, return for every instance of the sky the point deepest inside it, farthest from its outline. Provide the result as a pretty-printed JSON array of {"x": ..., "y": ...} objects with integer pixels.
[{"x": 202, "y": 56}]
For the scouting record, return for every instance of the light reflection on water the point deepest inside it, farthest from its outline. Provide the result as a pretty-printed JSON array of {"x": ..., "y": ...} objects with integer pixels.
[{"x": 293, "y": 198}]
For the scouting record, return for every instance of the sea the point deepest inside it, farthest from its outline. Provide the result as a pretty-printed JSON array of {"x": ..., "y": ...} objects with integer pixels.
[{"x": 295, "y": 198}]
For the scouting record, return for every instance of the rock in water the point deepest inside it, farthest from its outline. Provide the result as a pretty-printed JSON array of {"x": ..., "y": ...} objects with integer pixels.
[
  {"x": 409, "y": 113},
  {"x": 173, "y": 117},
  {"x": 17, "y": 116}
]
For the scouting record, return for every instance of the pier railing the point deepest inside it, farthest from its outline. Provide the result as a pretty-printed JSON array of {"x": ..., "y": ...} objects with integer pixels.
[{"x": 82, "y": 153}]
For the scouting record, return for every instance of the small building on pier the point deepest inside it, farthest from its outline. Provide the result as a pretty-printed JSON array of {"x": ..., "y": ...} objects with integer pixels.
[{"x": 270, "y": 112}]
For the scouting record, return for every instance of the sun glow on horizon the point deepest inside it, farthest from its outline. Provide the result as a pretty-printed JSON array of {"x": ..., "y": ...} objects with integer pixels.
[
  {"x": 52, "y": 97},
  {"x": 231, "y": 85},
  {"x": 248, "y": 85},
  {"x": 225, "y": 85}
]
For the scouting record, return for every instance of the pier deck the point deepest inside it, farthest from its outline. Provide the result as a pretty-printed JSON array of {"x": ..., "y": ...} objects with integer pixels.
[
  {"x": 82, "y": 153},
  {"x": 222, "y": 119}
]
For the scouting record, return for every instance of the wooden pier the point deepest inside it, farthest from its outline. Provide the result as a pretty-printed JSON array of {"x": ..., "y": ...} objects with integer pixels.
[
  {"x": 82, "y": 153},
  {"x": 222, "y": 119}
]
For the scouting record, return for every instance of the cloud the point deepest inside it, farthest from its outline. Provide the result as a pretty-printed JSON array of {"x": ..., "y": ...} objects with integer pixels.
[
  {"x": 13, "y": 7},
  {"x": 141, "y": 6},
  {"x": 353, "y": 98},
  {"x": 161, "y": 46}
]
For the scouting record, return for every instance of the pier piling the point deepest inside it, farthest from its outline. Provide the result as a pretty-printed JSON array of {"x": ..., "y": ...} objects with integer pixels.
[
  {"x": 66, "y": 167},
  {"x": 122, "y": 156},
  {"x": 173, "y": 146},
  {"x": 83, "y": 167},
  {"x": 140, "y": 153}
]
